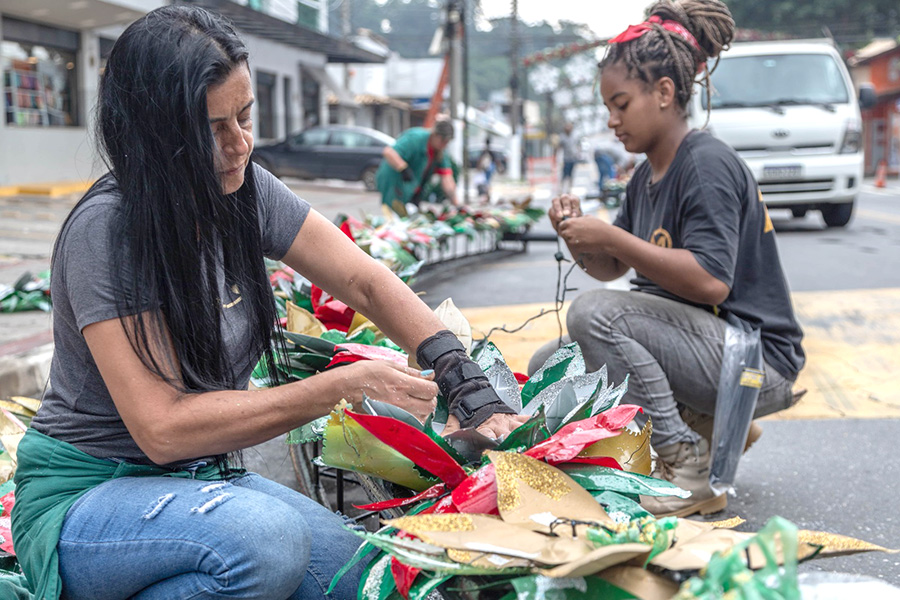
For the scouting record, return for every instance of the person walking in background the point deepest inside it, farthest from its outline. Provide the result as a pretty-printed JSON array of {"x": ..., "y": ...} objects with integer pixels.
[
  {"x": 611, "y": 157},
  {"x": 409, "y": 164},
  {"x": 696, "y": 231},
  {"x": 126, "y": 483},
  {"x": 569, "y": 148},
  {"x": 485, "y": 168}
]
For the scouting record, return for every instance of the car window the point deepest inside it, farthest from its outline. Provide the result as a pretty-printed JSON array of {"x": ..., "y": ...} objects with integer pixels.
[
  {"x": 311, "y": 137},
  {"x": 351, "y": 139},
  {"x": 777, "y": 79}
]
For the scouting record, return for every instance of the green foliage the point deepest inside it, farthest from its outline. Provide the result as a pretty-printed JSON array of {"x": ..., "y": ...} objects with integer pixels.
[{"x": 846, "y": 19}]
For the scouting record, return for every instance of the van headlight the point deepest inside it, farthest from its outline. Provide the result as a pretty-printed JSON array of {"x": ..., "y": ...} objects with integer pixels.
[{"x": 852, "y": 142}]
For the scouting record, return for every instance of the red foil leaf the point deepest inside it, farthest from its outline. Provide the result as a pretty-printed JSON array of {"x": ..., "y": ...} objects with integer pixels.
[
  {"x": 404, "y": 576},
  {"x": 432, "y": 492},
  {"x": 571, "y": 439},
  {"x": 478, "y": 493},
  {"x": 599, "y": 461},
  {"x": 414, "y": 445}
]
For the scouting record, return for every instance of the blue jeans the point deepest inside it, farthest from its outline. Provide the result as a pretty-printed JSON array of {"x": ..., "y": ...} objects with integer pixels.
[
  {"x": 163, "y": 538},
  {"x": 672, "y": 352},
  {"x": 606, "y": 166}
]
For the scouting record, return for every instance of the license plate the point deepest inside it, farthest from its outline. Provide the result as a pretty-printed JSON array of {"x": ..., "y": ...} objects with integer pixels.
[{"x": 781, "y": 172}]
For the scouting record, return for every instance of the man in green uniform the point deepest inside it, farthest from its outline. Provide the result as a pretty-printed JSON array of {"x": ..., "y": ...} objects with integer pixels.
[{"x": 408, "y": 165}]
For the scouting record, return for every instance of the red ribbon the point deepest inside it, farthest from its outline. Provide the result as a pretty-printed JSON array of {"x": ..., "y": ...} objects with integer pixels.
[{"x": 635, "y": 31}]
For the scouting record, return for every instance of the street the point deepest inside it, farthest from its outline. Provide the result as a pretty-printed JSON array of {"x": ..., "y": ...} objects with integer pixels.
[{"x": 823, "y": 464}]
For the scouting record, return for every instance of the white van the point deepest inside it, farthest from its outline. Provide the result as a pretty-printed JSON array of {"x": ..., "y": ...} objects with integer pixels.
[{"x": 789, "y": 109}]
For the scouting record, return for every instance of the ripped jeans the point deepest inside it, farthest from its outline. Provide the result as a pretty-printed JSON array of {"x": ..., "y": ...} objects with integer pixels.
[{"x": 165, "y": 538}]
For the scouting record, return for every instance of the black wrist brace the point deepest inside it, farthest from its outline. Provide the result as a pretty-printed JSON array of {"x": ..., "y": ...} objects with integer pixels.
[{"x": 462, "y": 383}]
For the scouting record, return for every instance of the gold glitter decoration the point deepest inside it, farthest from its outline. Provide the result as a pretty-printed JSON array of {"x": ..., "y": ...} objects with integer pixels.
[
  {"x": 462, "y": 556},
  {"x": 423, "y": 523},
  {"x": 833, "y": 543},
  {"x": 631, "y": 450},
  {"x": 511, "y": 468},
  {"x": 727, "y": 523}
]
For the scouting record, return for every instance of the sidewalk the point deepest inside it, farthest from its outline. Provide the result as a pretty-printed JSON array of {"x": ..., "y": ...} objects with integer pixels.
[{"x": 28, "y": 228}]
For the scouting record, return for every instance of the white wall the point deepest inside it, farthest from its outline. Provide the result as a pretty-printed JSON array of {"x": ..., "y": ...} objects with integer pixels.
[{"x": 283, "y": 61}]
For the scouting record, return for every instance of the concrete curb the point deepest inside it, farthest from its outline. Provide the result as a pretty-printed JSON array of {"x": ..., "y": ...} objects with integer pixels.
[{"x": 26, "y": 374}]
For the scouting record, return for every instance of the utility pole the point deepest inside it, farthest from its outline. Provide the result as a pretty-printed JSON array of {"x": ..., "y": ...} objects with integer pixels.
[
  {"x": 465, "y": 115},
  {"x": 456, "y": 66},
  {"x": 516, "y": 154},
  {"x": 345, "y": 33}
]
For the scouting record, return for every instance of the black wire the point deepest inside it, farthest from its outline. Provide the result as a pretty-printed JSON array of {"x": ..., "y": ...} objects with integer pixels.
[{"x": 559, "y": 298}]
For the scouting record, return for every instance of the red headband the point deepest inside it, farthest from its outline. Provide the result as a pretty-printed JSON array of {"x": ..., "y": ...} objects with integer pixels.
[{"x": 635, "y": 31}]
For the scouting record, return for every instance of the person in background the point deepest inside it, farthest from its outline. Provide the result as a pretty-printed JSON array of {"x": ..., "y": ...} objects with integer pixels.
[
  {"x": 125, "y": 485},
  {"x": 485, "y": 168},
  {"x": 611, "y": 157},
  {"x": 410, "y": 163},
  {"x": 569, "y": 148},
  {"x": 695, "y": 229}
]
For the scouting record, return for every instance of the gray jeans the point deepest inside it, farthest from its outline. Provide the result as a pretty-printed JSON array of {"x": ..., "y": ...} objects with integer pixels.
[{"x": 672, "y": 352}]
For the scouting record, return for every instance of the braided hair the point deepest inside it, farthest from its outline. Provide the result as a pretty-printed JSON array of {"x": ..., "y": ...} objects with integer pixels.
[{"x": 663, "y": 53}]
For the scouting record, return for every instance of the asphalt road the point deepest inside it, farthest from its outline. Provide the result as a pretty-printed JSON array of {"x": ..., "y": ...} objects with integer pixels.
[{"x": 837, "y": 475}]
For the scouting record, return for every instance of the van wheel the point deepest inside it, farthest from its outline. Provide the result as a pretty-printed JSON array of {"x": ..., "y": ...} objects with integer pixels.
[
  {"x": 799, "y": 213},
  {"x": 837, "y": 215},
  {"x": 368, "y": 178}
]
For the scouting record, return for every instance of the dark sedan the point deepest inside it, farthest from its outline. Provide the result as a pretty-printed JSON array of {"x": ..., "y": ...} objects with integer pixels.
[{"x": 327, "y": 152}]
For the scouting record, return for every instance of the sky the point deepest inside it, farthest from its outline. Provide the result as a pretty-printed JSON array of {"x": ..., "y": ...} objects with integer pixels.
[{"x": 606, "y": 18}]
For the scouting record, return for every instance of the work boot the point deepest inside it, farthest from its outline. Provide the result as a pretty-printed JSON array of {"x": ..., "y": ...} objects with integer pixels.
[
  {"x": 685, "y": 464},
  {"x": 703, "y": 424}
]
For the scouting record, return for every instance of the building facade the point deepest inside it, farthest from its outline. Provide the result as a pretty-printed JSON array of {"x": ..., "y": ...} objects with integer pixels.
[
  {"x": 51, "y": 56},
  {"x": 53, "y": 51},
  {"x": 880, "y": 66}
]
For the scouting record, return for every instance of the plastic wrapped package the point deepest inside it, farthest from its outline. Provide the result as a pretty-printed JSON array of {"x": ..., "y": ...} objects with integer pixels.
[{"x": 740, "y": 380}]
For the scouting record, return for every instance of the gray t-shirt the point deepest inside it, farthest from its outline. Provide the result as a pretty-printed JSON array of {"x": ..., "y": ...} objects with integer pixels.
[
  {"x": 77, "y": 407},
  {"x": 709, "y": 203}
]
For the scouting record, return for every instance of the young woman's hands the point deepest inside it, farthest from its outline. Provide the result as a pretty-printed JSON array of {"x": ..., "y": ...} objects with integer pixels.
[
  {"x": 585, "y": 235},
  {"x": 395, "y": 384},
  {"x": 564, "y": 207}
]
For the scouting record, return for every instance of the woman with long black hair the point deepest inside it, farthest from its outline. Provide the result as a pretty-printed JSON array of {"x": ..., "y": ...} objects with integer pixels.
[
  {"x": 162, "y": 309},
  {"x": 695, "y": 229}
]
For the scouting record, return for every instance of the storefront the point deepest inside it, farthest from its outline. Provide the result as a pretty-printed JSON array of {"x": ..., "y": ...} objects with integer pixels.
[
  {"x": 882, "y": 121},
  {"x": 50, "y": 60},
  {"x": 52, "y": 53}
]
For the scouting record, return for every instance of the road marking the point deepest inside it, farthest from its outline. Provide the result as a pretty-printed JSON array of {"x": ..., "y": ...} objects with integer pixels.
[
  {"x": 878, "y": 216},
  {"x": 852, "y": 342}
]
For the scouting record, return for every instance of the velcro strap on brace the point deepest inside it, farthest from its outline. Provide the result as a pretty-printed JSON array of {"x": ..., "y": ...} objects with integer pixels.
[
  {"x": 469, "y": 404},
  {"x": 457, "y": 374},
  {"x": 436, "y": 346}
]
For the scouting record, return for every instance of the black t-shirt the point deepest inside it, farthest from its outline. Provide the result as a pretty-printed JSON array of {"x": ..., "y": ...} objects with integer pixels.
[{"x": 709, "y": 203}]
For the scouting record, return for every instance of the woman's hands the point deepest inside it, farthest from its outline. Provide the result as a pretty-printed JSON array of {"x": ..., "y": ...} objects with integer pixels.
[
  {"x": 395, "y": 384},
  {"x": 497, "y": 427}
]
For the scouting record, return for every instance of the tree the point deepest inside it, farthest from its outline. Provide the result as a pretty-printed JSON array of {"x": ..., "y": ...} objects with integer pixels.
[
  {"x": 409, "y": 25},
  {"x": 848, "y": 20}
]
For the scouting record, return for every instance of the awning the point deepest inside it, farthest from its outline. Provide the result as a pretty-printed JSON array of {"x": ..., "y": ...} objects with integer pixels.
[
  {"x": 87, "y": 14},
  {"x": 267, "y": 27},
  {"x": 344, "y": 97}
]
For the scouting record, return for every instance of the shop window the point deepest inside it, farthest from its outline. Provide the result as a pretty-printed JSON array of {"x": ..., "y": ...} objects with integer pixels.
[
  {"x": 288, "y": 114},
  {"x": 308, "y": 16},
  {"x": 39, "y": 84},
  {"x": 265, "y": 102},
  {"x": 312, "y": 94}
]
